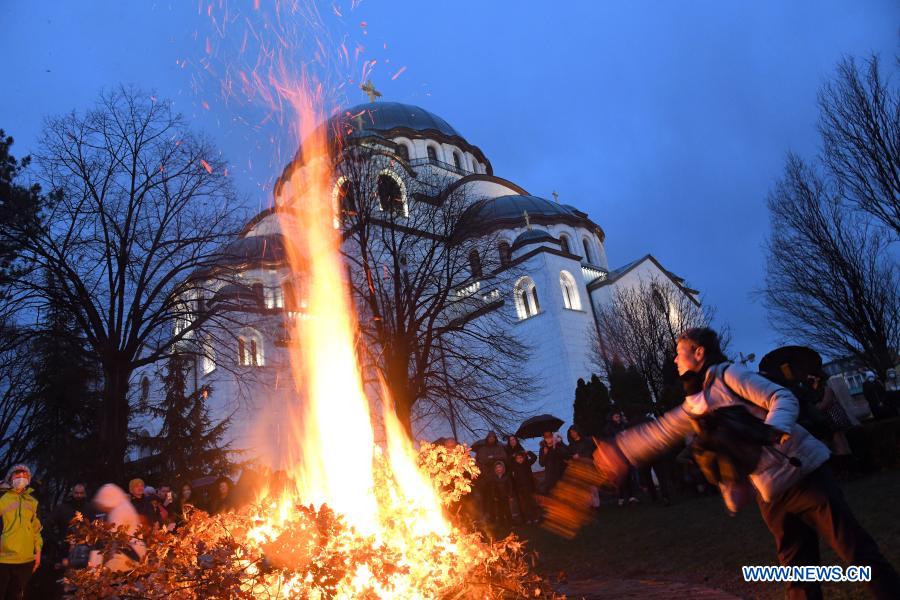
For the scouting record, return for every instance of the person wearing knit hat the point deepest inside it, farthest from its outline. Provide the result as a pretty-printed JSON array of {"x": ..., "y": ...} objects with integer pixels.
[
  {"x": 142, "y": 503},
  {"x": 20, "y": 544}
]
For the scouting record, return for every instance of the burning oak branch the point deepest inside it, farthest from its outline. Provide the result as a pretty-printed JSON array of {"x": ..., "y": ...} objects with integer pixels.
[{"x": 278, "y": 549}]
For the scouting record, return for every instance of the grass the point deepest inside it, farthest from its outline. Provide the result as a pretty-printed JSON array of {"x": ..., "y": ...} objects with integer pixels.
[{"x": 695, "y": 541}]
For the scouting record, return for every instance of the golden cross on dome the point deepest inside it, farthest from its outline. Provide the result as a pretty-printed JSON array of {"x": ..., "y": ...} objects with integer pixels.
[
  {"x": 555, "y": 196},
  {"x": 370, "y": 91},
  {"x": 527, "y": 220}
]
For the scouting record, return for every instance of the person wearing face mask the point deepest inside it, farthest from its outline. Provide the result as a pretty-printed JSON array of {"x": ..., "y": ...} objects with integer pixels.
[{"x": 20, "y": 542}]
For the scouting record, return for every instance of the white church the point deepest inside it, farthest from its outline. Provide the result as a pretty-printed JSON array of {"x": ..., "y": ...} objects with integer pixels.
[{"x": 563, "y": 276}]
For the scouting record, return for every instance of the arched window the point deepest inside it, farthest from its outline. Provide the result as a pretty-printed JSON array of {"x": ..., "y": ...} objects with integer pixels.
[
  {"x": 526, "y": 298},
  {"x": 456, "y": 160},
  {"x": 208, "y": 360},
  {"x": 403, "y": 151},
  {"x": 145, "y": 388},
  {"x": 587, "y": 250},
  {"x": 505, "y": 253},
  {"x": 571, "y": 299},
  {"x": 250, "y": 349},
  {"x": 259, "y": 292},
  {"x": 346, "y": 198},
  {"x": 475, "y": 263},
  {"x": 432, "y": 153},
  {"x": 474, "y": 166},
  {"x": 564, "y": 244},
  {"x": 274, "y": 297},
  {"x": 390, "y": 194}
]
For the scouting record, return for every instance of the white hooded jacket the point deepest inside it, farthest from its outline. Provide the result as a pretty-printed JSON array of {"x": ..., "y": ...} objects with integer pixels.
[
  {"x": 777, "y": 406},
  {"x": 113, "y": 500}
]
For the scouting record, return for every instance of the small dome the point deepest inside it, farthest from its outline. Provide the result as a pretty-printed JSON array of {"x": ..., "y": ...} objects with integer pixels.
[
  {"x": 509, "y": 211},
  {"x": 249, "y": 251},
  {"x": 533, "y": 236},
  {"x": 514, "y": 206},
  {"x": 235, "y": 294},
  {"x": 254, "y": 249}
]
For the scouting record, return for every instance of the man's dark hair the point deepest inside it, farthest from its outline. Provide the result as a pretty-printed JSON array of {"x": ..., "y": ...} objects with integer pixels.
[{"x": 707, "y": 339}]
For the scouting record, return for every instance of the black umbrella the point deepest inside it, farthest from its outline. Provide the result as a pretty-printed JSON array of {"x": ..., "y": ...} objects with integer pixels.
[
  {"x": 800, "y": 359},
  {"x": 536, "y": 426}
]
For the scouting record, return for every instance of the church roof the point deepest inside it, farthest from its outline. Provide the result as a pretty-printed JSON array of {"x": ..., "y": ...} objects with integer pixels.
[
  {"x": 386, "y": 120},
  {"x": 515, "y": 205},
  {"x": 245, "y": 252},
  {"x": 510, "y": 210},
  {"x": 617, "y": 274},
  {"x": 533, "y": 236},
  {"x": 382, "y": 117}
]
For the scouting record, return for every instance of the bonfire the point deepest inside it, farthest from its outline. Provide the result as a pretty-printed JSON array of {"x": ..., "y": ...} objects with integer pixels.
[{"x": 275, "y": 549}]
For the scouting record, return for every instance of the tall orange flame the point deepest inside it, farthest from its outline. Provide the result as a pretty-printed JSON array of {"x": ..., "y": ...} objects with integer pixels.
[{"x": 332, "y": 404}]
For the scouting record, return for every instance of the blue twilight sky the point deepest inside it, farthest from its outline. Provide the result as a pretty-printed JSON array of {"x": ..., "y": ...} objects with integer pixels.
[{"x": 666, "y": 121}]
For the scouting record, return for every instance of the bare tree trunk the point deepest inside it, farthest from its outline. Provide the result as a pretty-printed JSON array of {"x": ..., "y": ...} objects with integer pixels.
[{"x": 113, "y": 419}]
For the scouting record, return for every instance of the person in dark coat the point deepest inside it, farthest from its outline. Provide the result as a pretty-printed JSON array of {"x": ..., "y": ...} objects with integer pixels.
[
  {"x": 512, "y": 447},
  {"x": 616, "y": 424},
  {"x": 223, "y": 498},
  {"x": 499, "y": 493},
  {"x": 487, "y": 454},
  {"x": 183, "y": 505},
  {"x": 142, "y": 504},
  {"x": 62, "y": 516},
  {"x": 582, "y": 447},
  {"x": 523, "y": 486},
  {"x": 876, "y": 397},
  {"x": 553, "y": 457},
  {"x": 579, "y": 445}
]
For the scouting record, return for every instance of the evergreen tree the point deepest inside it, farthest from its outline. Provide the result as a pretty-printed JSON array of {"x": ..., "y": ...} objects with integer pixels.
[
  {"x": 189, "y": 443},
  {"x": 591, "y": 406},
  {"x": 672, "y": 393},
  {"x": 19, "y": 207},
  {"x": 629, "y": 390},
  {"x": 63, "y": 427}
]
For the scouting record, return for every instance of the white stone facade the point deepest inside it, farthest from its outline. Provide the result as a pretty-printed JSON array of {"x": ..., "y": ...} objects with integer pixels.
[{"x": 559, "y": 325}]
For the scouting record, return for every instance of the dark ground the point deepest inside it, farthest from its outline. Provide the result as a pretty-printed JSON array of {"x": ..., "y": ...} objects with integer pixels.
[{"x": 695, "y": 542}]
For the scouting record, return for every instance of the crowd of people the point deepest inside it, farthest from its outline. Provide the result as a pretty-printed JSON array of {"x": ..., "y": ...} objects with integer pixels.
[
  {"x": 507, "y": 490},
  {"x": 814, "y": 417},
  {"x": 30, "y": 532}
]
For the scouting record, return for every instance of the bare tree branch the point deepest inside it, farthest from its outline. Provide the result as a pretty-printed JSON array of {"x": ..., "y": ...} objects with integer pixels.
[
  {"x": 831, "y": 279},
  {"x": 860, "y": 128},
  {"x": 139, "y": 204}
]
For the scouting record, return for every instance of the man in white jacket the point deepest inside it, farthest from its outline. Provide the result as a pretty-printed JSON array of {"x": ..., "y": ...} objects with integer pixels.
[{"x": 797, "y": 495}]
